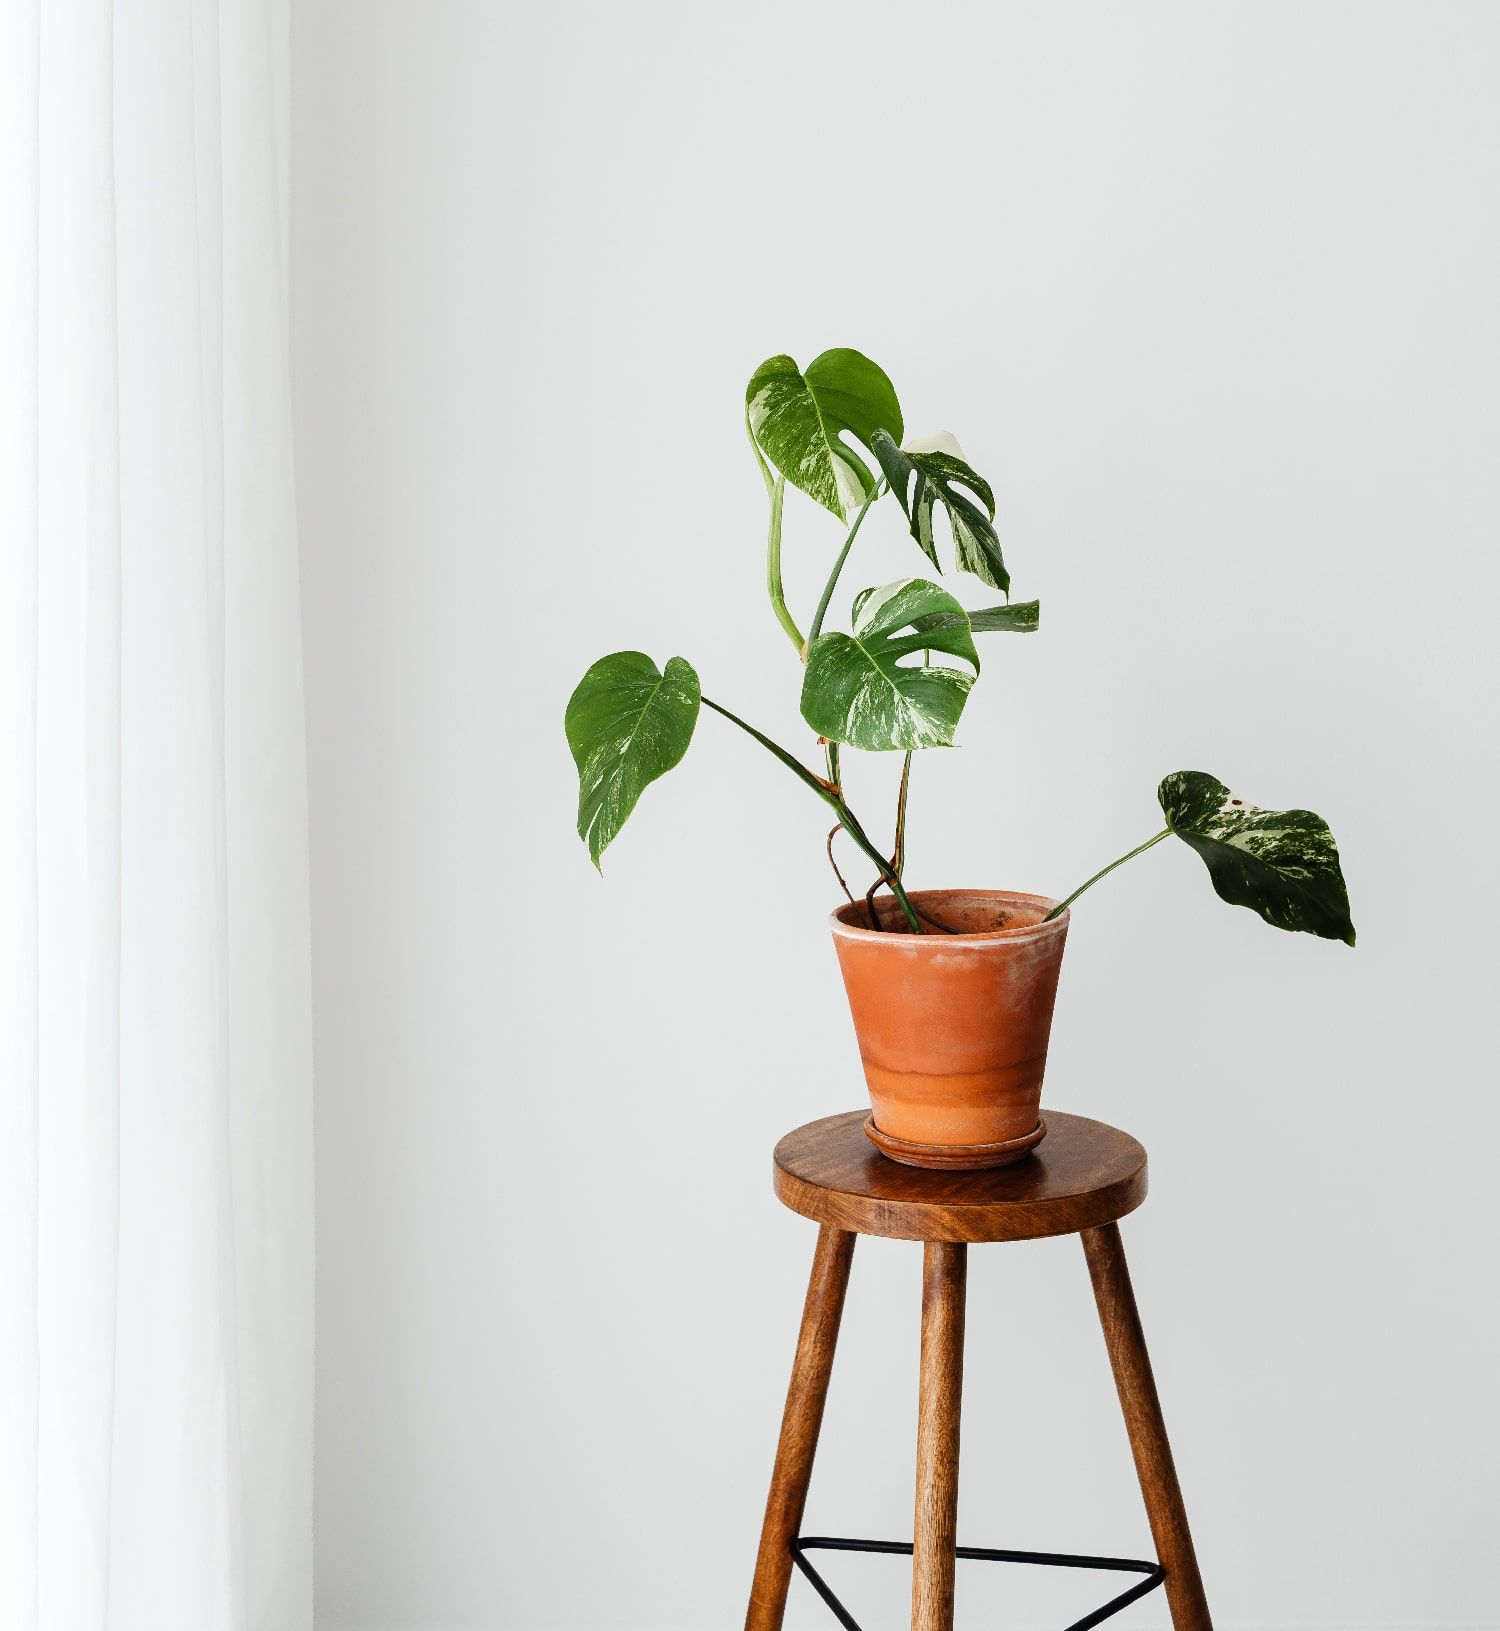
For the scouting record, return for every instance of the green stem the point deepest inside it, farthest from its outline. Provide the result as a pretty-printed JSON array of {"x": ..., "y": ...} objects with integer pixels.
[
  {"x": 835, "y": 800},
  {"x": 883, "y": 866},
  {"x": 838, "y": 565},
  {"x": 898, "y": 854},
  {"x": 899, "y": 858},
  {"x": 1140, "y": 849},
  {"x": 776, "y": 490}
]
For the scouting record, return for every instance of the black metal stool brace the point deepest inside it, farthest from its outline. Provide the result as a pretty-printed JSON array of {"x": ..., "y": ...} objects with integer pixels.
[{"x": 1081, "y": 1179}]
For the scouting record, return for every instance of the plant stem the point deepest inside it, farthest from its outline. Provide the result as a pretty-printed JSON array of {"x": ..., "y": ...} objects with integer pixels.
[
  {"x": 830, "y": 795},
  {"x": 824, "y": 790},
  {"x": 833, "y": 833},
  {"x": 893, "y": 883},
  {"x": 838, "y": 565},
  {"x": 776, "y": 490},
  {"x": 898, "y": 854},
  {"x": 898, "y": 860},
  {"x": 1140, "y": 849}
]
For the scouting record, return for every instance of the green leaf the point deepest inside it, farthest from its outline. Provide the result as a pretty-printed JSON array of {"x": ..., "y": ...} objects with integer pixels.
[
  {"x": 1283, "y": 864},
  {"x": 796, "y": 419},
  {"x": 921, "y": 481},
  {"x": 1022, "y": 618},
  {"x": 857, "y": 690},
  {"x": 627, "y": 723}
]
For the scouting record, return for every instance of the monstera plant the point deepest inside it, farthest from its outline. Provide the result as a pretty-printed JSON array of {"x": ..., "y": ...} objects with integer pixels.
[{"x": 897, "y": 679}]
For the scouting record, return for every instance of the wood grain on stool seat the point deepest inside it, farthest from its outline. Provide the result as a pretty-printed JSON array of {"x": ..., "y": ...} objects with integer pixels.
[{"x": 1083, "y": 1174}]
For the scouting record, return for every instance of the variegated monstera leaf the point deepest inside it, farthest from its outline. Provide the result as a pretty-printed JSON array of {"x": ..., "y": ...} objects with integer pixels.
[
  {"x": 628, "y": 722},
  {"x": 921, "y": 481},
  {"x": 797, "y": 419},
  {"x": 1283, "y": 864},
  {"x": 858, "y": 688},
  {"x": 1022, "y": 618}
]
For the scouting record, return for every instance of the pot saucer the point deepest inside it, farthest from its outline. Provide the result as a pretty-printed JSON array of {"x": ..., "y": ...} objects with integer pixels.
[{"x": 955, "y": 1157}]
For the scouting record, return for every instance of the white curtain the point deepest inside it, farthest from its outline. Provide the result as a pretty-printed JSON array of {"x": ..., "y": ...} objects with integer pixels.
[{"x": 155, "y": 1053}]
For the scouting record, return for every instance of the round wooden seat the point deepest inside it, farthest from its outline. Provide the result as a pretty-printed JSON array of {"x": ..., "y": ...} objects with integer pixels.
[{"x": 1082, "y": 1174}]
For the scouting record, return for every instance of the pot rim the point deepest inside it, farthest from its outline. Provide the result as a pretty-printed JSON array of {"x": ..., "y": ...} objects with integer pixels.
[{"x": 845, "y": 930}]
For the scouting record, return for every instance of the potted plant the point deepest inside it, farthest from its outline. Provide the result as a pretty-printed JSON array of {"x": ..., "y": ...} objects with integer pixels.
[{"x": 951, "y": 991}]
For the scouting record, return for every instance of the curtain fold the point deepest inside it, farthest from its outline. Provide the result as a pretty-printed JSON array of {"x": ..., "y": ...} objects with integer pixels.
[{"x": 155, "y": 1035}]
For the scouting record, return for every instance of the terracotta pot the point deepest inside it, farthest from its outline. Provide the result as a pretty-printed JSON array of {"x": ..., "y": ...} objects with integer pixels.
[{"x": 953, "y": 1027}]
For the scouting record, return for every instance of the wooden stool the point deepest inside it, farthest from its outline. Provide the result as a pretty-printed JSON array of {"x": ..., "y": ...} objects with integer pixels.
[{"x": 1081, "y": 1179}]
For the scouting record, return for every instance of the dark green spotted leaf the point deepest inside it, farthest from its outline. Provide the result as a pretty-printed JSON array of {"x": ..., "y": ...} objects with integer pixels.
[
  {"x": 797, "y": 420},
  {"x": 1022, "y": 618},
  {"x": 857, "y": 689},
  {"x": 1283, "y": 864},
  {"x": 921, "y": 481},
  {"x": 627, "y": 723}
]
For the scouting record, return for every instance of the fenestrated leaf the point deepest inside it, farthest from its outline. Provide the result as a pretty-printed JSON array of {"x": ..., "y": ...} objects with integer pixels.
[
  {"x": 921, "y": 481},
  {"x": 1022, "y": 618},
  {"x": 856, "y": 688},
  {"x": 1283, "y": 864},
  {"x": 797, "y": 419},
  {"x": 628, "y": 722}
]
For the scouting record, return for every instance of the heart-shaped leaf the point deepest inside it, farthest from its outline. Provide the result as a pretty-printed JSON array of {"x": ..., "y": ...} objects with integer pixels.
[
  {"x": 796, "y": 420},
  {"x": 856, "y": 688},
  {"x": 1283, "y": 864},
  {"x": 628, "y": 722},
  {"x": 921, "y": 481}
]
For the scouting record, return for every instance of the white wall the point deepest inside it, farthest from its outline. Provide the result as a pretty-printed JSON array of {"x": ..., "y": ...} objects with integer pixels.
[{"x": 1211, "y": 291}]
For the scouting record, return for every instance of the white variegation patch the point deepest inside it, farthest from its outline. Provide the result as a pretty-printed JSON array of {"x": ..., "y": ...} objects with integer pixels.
[
  {"x": 869, "y": 604},
  {"x": 850, "y": 488},
  {"x": 935, "y": 441}
]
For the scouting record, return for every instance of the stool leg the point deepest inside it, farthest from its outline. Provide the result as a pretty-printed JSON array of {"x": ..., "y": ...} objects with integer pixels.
[
  {"x": 800, "y": 1423},
  {"x": 944, "y": 1267},
  {"x": 1148, "y": 1432}
]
